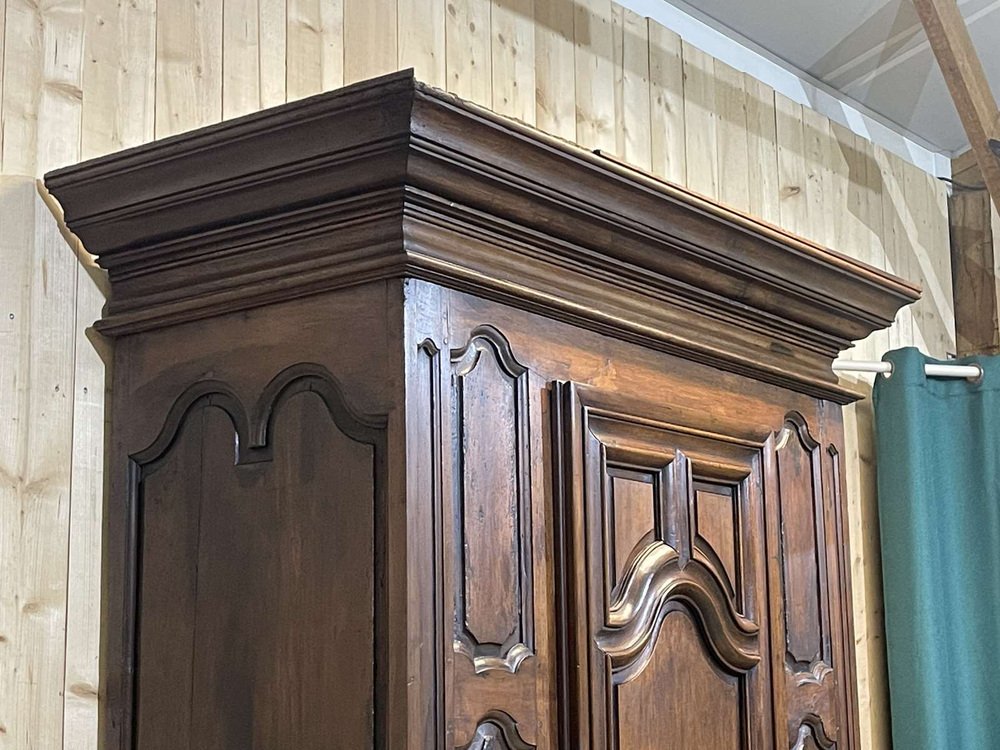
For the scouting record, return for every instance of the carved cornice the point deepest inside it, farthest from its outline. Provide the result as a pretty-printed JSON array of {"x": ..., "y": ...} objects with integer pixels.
[{"x": 389, "y": 178}]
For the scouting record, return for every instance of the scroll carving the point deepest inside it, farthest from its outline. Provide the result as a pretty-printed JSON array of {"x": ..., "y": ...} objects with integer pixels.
[
  {"x": 497, "y": 731},
  {"x": 804, "y": 569},
  {"x": 492, "y": 504},
  {"x": 812, "y": 735},
  {"x": 253, "y": 433},
  {"x": 656, "y": 583}
]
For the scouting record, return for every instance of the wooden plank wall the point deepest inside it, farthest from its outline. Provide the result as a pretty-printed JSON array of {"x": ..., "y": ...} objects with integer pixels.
[{"x": 81, "y": 78}]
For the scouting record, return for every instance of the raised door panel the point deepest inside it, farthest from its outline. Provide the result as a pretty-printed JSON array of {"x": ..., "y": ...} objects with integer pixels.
[
  {"x": 254, "y": 571},
  {"x": 662, "y": 609},
  {"x": 492, "y": 504},
  {"x": 802, "y": 530}
]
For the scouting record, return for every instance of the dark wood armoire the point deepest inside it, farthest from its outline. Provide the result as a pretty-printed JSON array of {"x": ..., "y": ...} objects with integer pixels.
[{"x": 432, "y": 431}]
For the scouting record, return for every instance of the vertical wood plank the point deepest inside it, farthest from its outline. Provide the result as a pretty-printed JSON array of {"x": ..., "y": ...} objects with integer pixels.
[
  {"x": 666, "y": 103},
  {"x": 59, "y": 107},
  {"x": 792, "y": 208},
  {"x": 83, "y": 597},
  {"x": 595, "y": 75},
  {"x": 273, "y": 35},
  {"x": 119, "y": 76},
  {"x": 555, "y": 85},
  {"x": 468, "y": 56},
  {"x": 894, "y": 239},
  {"x": 632, "y": 91},
  {"x": 701, "y": 150},
  {"x": 421, "y": 39},
  {"x": 332, "y": 60},
  {"x": 513, "y": 59},
  {"x": 939, "y": 261},
  {"x": 617, "y": 56},
  {"x": 844, "y": 204},
  {"x": 762, "y": 151},
  {"x": 370, "y": 39},
  {"x": 240, "y": 58},
  {"x": 22, "y": 74},
  {"x": 315, "y": 47},
  {"x": 35, "y": 467},
  {"x": 732, "y": 142},
  {"x": 188, "y": 65},
  {"x": 3, "y": 23},
  {"x": 16, "y": 254},
  {"x": 873, "y": 225},
  {"x": 816, "y": 135}
]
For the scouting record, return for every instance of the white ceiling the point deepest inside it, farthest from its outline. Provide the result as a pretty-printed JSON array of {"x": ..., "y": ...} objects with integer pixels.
[{"x": 870, "y": 51}]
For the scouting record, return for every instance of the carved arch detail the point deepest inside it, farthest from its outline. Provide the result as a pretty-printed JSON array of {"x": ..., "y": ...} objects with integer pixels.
[
  {"x": 656, "y": 583},
  {"x": 503, "y": 638},
  {"x": 253, "y": 434},
  {"x": 497, "y": 730}
]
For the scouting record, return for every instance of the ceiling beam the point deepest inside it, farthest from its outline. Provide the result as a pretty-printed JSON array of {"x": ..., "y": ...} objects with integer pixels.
[{"x": 966, "y": 79}]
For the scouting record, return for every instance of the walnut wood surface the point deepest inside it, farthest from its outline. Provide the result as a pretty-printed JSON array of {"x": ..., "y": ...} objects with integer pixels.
[
  {"x": 432, "y": 432},
  {"x": 391, "y": 178}
]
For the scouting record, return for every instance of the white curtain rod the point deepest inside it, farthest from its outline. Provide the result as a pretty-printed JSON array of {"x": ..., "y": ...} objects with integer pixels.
[{"x": 972, "y": 372}]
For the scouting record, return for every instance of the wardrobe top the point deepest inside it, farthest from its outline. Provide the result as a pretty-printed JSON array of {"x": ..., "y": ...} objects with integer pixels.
[{"x": 418, "y": 183}]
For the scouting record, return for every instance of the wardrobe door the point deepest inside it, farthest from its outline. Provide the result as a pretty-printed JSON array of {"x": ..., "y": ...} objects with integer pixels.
[{"x": 663, "y": 611}]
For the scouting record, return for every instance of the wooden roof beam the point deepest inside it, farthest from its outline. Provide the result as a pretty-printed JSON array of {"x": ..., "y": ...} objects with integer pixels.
[{"x": 963, "y": 72}]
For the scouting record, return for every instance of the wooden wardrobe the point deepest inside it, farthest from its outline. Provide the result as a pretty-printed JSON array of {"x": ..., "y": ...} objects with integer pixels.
[{"x": 432, "y": 431}]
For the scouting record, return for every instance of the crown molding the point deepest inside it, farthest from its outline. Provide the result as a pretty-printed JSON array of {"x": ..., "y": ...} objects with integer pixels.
[{"x": 392, "y": 179}]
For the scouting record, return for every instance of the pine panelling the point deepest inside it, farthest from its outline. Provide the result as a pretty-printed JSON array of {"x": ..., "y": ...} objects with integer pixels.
[
  {"x": 36, "y": 414},
  {"x": 793, "y": 208},
  {"x": 732, "y": 140},
  {"x": 595, "y": 75},
  {"x": 188, "y": 65},
  {"x": 468, "y": 52},
  {"x": 816, "y": 135},
  {"x": 22, "y": 74},
  {"x": 940, "y": 260},
  {"x": 83, "y": 613},
  {"x": 513, "y": 59},
  {"x": 240, "y": 58},
  {"x": 633, "y": 140},
  {"x": 701, "y": 147},
  {"x": 370, "y": 39},
  {"x": 666, "y": 104},
  {"x": 895, "y": 240},
  {"x": 62, "y": 85},
  {"x": 762, "y": 151},
  {"x": 16, "y": 245},
  {"x": 845, "y": 199},
  {"x": 555, "y": 88},
  {"x": 119, "y": 74},
  {"x": 928, "y": 240},
  {"x": 315, "y": 47},
  {"x": 873, "y": 224},
  {"x": 421, "y": 39},
  {"x": 272, "y": 28},
  {"x": 3, "y": 21}
]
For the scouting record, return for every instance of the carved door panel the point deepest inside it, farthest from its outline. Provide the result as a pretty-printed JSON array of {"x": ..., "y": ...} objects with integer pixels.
[
  {"x": 806, "y": 534},
  {"x": 663, "y": 611},
  {"x": 254, "y": 565}
]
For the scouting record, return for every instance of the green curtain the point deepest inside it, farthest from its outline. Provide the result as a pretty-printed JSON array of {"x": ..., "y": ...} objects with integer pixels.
[{"x": 939, "y": 509}]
